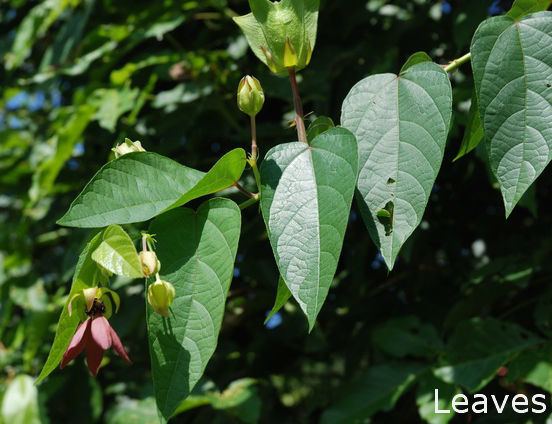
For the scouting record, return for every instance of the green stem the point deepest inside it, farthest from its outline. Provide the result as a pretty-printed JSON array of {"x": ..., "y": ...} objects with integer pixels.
[
  {"x": 254, "y": 153},
  {"x": 250, "y": 202},
  {"x": 298, "y": 104},
  {"x": 456, "y": 63}
]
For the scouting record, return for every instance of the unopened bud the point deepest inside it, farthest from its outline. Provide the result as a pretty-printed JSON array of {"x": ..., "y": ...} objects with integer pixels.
[
  {"x": 160, "y": 296},
  {"x": 126, "y": 147},
  {"x": 150, "y": 263},
  {"x": 250, "y": 96}
]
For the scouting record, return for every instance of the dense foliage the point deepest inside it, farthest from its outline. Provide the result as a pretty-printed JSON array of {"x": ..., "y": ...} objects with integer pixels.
[{"x": 466, "y": 307}]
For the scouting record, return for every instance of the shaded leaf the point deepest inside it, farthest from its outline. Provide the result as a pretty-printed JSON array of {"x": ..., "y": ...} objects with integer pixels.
[
  {"x": 407, "y": 336},
  {"x": 376, "y": 390},
  {"x": 473, "y": 134},
  {"x": 197, "y": 251},
  {"x": 282, "y": 296},
  {"x": 318, "y": 126},
  {"x": 401, "y": 124},
  {"x": 425, "y": 399},
  {"x": 478, "y": 348},
  {"x": 533, "y": 367},
  {"x": 306, "y": 194},
  {"x": 520, "y": 8}
]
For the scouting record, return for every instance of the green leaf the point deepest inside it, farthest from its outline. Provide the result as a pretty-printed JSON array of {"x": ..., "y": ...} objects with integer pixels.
[
  {"x": 240, "y": 399},
  {"x": 197, "y": 251},
  {"x": 20, "y": 403},
  {"x": 407, "y": 336},
  {"x": 533, "y": 367},
  {"x": 521, "y": 8},
  {"x": 318, "y": 126},
  {"x": 377, "y": 390},
  {"x": 139, "y": 186},
  {"x": 117, "y": 253},
  {"x": 222, "y": 175},
  {"x": 282, "y": 296},
  {"x": 87, "y": 274},
  {"x": 133, "y": 411},
  {"x": 306, "y": 194},
  {"x": 74, "y": 124},
  {"x": 473, "y": 134},
  {"x": 425, "y": 399},
  {"x": 401, "y": 124},
  {"x": 33, "y": 27},
  {"x": 414, "y": 59},
  {"x": 478, "y": 348},
  {"x": 512, "y": 66},
  {"x": 112, "y": 103}
]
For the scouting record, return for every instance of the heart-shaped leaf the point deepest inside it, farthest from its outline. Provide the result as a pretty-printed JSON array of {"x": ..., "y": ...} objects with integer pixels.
[
  {"x": 139, "y": 186},
  {"x": 306, "y": 195},
  {"x": 87, "y": 274},
  {"x": 197, "y": 252},
  {"x": 117, "y": 253},
  {"x": 401, "y": 125},
  {"x": 512, "y": 67}
]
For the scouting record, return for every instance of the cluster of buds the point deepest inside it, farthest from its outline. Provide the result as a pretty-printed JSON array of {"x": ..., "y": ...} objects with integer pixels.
[
  {"x": 94, "y": 335},
  {"x": 127, "y": 147},
  {"x": 160, "y": 293}
]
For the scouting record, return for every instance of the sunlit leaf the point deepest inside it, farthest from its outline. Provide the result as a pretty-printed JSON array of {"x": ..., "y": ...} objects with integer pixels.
[{"x": 306, "y": 194}]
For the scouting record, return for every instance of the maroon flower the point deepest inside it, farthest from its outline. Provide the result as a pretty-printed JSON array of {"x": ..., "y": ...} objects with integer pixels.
[{"x": 94, "y": 335}]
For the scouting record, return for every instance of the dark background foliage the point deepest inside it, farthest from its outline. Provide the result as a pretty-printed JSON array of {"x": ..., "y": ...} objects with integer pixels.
[{"x": 470, "y": 289}]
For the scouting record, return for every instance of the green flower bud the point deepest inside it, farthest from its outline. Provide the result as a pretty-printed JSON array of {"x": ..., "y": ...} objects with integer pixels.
[
  {"x": 250, "y": 95},
  {"x": 282, "y": 34},
  {"x": 126, "y": 147},
  {"x": 160, "y": 296},
  {"x": 150, "y": 263}
]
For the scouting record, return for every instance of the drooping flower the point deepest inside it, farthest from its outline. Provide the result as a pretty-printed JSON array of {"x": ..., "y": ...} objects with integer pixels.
[{"x": 94, "y": 336}]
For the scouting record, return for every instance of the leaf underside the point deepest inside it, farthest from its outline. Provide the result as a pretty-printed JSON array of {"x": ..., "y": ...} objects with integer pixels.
[
  {"x": 197, "y": 252},
  {"x": 512, "y": 66},
  {"x": 307, "y": 192},
  {"x": 401, "y": 125}
]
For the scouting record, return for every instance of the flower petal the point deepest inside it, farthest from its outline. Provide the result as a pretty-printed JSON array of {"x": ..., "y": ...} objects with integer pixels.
[
  {"x": 101, "y": 332},
  {"x": 94, "y": 355},
  {"x": 118, "y": 346},
  {"x": 78, "y": 342}
]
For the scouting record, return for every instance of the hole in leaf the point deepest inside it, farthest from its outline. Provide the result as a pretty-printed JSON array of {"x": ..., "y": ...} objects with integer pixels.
[{"x": 390, "y": 181}]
